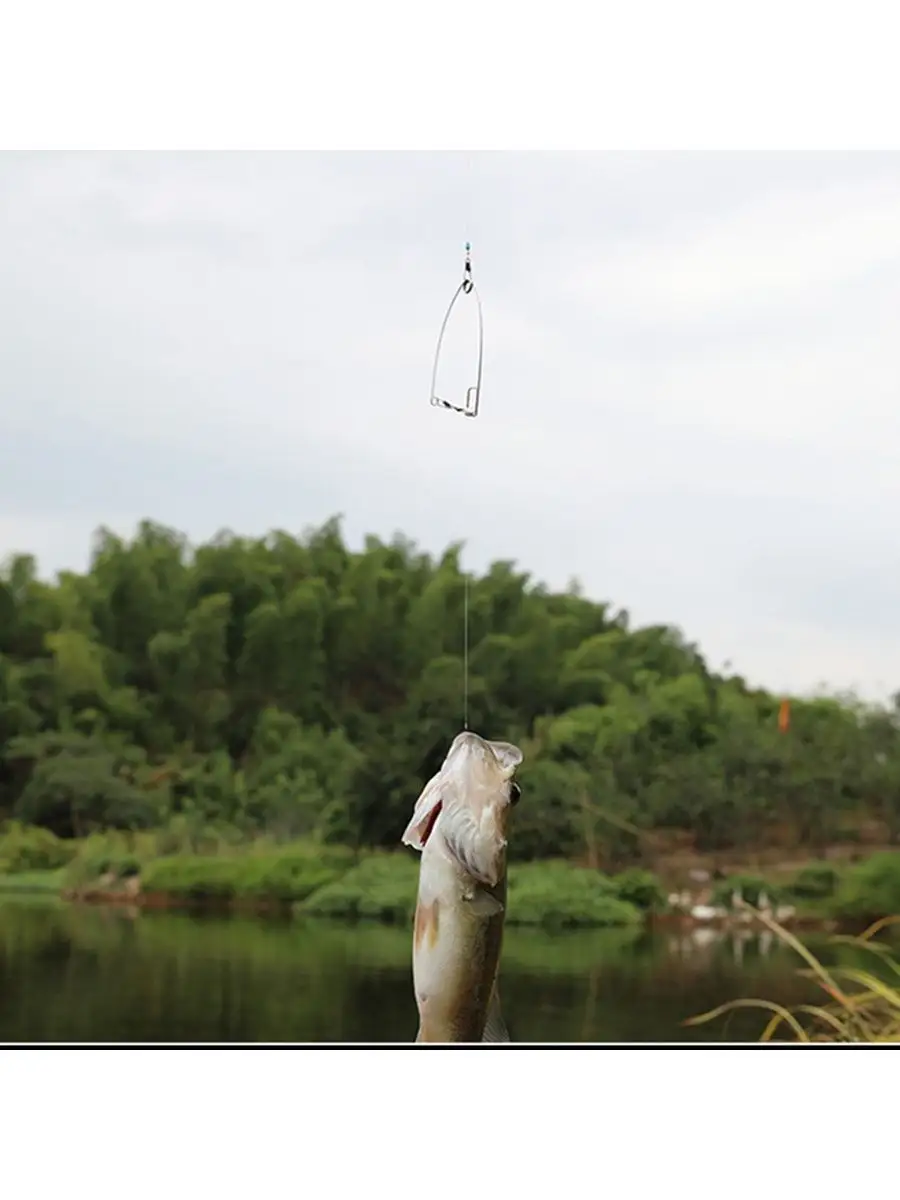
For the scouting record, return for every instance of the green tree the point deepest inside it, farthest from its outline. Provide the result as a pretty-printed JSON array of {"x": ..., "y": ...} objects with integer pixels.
[{"x": 296, "y": 686}]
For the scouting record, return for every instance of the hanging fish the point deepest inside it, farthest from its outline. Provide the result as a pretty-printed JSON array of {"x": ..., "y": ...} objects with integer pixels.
[
  {"x": 460, "y": 825},
  {"x": 473, "y": 394}
]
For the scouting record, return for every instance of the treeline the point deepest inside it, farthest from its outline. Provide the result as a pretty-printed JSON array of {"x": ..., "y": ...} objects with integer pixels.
[{"x": 293, "y": 686}]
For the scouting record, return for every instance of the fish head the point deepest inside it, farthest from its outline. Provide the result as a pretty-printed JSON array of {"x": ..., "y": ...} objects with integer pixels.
[
  {"x": 478, "y": 763},
  {"x": 469, "y": 801}
]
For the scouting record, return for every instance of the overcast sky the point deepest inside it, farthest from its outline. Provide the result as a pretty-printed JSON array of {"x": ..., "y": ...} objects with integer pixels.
[{"x": 691, "y": 395}]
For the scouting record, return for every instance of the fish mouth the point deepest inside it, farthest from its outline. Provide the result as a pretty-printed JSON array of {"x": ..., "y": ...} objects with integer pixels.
[{"x": 430, "y": 823}]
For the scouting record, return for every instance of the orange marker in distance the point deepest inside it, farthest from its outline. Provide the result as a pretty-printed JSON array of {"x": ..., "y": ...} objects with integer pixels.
[{"x": 784, "y": 716}]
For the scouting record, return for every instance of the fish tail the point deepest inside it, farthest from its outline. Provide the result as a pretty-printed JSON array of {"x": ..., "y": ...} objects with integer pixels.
[{"x": 495, "y": 1027}]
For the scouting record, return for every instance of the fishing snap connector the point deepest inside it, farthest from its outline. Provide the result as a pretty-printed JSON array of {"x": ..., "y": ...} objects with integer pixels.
[{"x": 473, "y": 394}]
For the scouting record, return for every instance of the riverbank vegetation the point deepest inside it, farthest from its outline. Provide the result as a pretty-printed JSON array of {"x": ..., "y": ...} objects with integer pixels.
[
  {"x": 314, "y": 879},
  {"x": 249, "y": 698},
  {"x": 216, "y": 867}
]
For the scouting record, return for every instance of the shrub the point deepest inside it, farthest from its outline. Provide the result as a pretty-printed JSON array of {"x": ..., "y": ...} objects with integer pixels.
[
  {"x": 286, "y": 875},
  {"x": 869, "y": 890},
  {"x": 815, "y": 882},
  {"x": 382, "y": 888},
  {"x": 640, "y": 888},
  {"x": 558, "y": 894},
  {"x": 126, "y": 867},
  {"x": 549, "y": 894},
  {"x": 110, "y": 853},
  {"x": 192, "y": 877},
  {"x": 30, "y": 848}
]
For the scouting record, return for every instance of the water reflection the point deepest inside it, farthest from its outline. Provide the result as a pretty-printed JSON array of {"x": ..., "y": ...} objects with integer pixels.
[
  {"x": 71, "y": 973},
  {"x": 692, "y": 943}
]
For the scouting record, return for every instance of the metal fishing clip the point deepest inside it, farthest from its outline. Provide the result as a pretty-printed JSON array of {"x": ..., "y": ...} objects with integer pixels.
[{"x": 473, "y": 394}]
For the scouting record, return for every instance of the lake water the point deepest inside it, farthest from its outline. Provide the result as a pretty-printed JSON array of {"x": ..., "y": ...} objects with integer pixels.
[{"x": 77, "y": 973}]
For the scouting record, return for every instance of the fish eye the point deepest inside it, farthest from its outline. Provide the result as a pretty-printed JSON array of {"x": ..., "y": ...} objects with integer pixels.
[{"x": 515, "y": 793}]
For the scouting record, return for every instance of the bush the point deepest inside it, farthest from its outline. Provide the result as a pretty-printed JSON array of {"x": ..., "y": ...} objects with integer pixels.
[
  {"x": 284, "y": 875},
  {"x": 191, "y": 877},
  {"x": 382, "y": 888},
  {"x": 815, "y": 882},
  {"x": 120, "y": 866},
  {"x": 640, "y": 888},
  {"x": 103, "y": 854},
  {"x": 30, "y": 848},
  {"x": 192, "y": 835},
  {"x": 558, "y": 894},
  {"x": 870, "y": 890},
  {"x": 126, "y": 867},
  {"x": 288, "y": 876}
]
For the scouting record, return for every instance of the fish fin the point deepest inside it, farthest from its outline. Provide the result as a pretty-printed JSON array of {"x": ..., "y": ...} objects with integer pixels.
[
  {"x": 508, "y": 756},
  {"x": 485, "y": 905},
  {"x": 495, "y": 1027},
  {"x": 478, "y": 852},
  {"x": 425, "y": 814}
]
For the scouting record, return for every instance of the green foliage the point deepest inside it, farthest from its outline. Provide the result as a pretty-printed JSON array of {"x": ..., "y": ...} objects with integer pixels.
[
  {"x": 557, "y": 894},
  {"x": 815, "y": 882},
  {"x": 869, "y": 890},
  {"x": 43, "y": 883},
  {"x": 294, "y": 688},
  {"x": 25, "y": 848},
  {"x": 288, "y": 874},
  {"x": 640, "y": 888},
  {"x": 381, "y": 888},
  {"x": 100, "y": 856},
  {"x": 193, "y": 877},
  {"x": 78, "y": 782}
]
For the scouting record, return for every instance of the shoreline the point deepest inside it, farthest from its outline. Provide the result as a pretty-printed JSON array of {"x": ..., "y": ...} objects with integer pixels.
[
  {"x": 133, "y": 897},
  {"x": 307, "y": 879},
  {"x": 660, "y": 922}
]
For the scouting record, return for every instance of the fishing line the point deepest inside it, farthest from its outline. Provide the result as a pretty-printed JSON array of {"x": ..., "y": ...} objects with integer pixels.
[
  {"x": 466, "y": 652},
  {"x": 468, "y": 271},
  {"x": 466, "y": 293}
]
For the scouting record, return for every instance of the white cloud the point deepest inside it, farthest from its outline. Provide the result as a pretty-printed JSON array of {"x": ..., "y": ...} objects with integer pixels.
[
  {"x": 690, "y": 393},
  {"x": 770, "y": 255}
]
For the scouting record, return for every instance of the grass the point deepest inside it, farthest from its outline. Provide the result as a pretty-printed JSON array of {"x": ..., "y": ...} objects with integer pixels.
[
  {"x": 42, "y": 882},
  {"x": 283, "y": 875},
  {"x": 861, "y": 1004}
]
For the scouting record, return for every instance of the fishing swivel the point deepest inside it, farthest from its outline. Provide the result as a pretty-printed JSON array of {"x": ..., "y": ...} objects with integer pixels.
[
  {"x": 473, "y": 393},
  {"x": 467, "y": 283}
]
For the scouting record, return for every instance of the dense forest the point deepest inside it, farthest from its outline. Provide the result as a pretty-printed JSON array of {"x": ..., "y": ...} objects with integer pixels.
[{"x": 293, "y": 686}]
